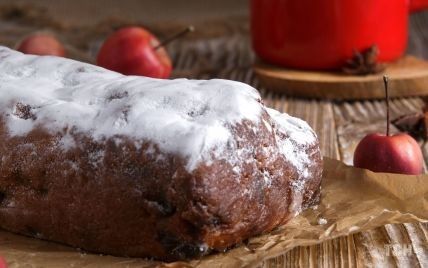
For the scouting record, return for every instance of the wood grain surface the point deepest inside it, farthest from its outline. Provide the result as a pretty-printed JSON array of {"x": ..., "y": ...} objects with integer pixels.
[
  {"x": 409, "y": 77},
  {"x": 340, "y": 125}
]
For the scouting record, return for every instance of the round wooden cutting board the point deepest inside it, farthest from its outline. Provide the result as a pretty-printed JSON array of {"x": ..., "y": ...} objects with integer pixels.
[{"x": 408, "y": 77}]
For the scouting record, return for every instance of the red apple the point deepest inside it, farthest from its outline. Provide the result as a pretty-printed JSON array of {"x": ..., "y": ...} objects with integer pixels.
[
  {"x": 135, "y": 51},
  {"x": 393, "y": 154},
  {"x": 3, "y": 263},
  {"x": 41, "y": 44},
  {"x": 384, "y": 153}
]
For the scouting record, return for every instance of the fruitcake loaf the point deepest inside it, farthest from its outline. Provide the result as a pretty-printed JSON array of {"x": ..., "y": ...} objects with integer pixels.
[{"x": 134, "y": 166}]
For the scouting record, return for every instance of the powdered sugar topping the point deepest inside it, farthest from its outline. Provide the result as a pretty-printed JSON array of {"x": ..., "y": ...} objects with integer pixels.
[
  {"x": 192, "y": 118},
  {"x": 189, "y": 117},
  {"x": 300, "y": 136}
]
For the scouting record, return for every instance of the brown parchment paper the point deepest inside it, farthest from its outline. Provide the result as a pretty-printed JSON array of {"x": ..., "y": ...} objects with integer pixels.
[{"x": 352, "y": 200}]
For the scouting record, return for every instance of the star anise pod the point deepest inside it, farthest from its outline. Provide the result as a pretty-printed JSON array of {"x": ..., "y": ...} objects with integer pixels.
[
  {"x": 364, "y": 62},
  {"x": 416, "y": 124}
]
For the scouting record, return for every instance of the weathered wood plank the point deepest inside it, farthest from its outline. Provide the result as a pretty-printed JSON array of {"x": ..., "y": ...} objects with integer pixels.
[{"x": 419, "y": 242}]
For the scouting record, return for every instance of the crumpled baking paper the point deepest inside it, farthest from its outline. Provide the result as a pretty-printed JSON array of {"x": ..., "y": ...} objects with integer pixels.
[{"x": 352, "y": 200}]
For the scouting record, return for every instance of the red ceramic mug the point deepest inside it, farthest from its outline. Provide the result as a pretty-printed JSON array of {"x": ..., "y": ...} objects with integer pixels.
[{"x": 320, "y": 34}]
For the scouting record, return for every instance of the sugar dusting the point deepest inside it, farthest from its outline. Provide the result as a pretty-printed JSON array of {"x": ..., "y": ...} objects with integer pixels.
[
  {"x": 299, "y": 134},
  {"x": 192, "y": 118},
  {"x": 294, "y": 136},
  {"x": 188, "y": 117},
  {"x": 322, "y": 221}
]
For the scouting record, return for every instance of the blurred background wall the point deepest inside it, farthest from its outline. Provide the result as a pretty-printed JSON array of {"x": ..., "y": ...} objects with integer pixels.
[{"x": 150, "y": 11}]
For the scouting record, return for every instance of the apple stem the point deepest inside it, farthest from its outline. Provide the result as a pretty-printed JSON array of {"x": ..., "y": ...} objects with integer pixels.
[
  {"x": 165, "y": 42},
  {"x": 385, "y": 82}
]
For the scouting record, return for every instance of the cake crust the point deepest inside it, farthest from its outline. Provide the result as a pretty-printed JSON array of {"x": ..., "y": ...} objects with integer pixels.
[{"x": 131, "y": 194}]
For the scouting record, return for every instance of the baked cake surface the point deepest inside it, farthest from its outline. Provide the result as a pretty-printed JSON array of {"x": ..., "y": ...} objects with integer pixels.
[{"x": 134, "y": 166}]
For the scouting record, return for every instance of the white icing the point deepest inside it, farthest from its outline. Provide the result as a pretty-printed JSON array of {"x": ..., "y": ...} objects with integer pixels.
[
  {"x": 236, "y": 169},
  {"x": 299, "y": 136},
  {"x": 188, "y": 117},
  {"x": 67, "y": 142},
  {"x": 322, "y": 221},
  {"x": 267, "y": 178},
  {"x": 192, "y": 118},
  {"x": 267, "y": 125}
]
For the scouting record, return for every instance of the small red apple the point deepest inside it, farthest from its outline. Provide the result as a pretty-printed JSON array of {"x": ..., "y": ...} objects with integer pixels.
[
  {"x": 41, "y": 44},
  {"x": 393, "y": 154},
  {"x": 135, "y": 51},
  {"x": 3, "y": 263}
]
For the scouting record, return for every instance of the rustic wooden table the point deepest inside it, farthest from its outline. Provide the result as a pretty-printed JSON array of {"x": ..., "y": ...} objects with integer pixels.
[{"x": 225, "y": 52}]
